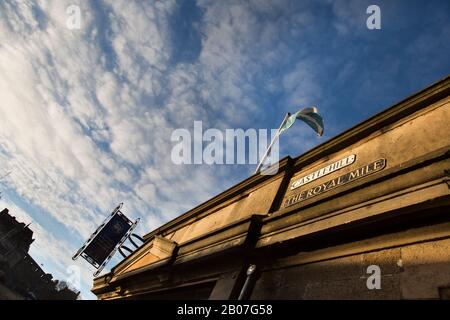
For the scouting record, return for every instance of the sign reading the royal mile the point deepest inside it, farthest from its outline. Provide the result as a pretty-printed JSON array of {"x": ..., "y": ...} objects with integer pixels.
[
  {"x": 336, "y": 182},
  {"x": 324, "y": 171}
]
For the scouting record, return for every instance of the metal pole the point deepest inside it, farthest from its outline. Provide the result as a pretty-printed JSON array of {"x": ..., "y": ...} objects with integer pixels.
[
  {"x": 249, "y": 283},
  {"x": 286, "y": 116}
]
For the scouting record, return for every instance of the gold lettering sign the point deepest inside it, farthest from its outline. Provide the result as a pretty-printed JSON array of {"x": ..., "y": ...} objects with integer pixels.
[
  {"x": 336, "y": 182},
  {"x": 323, "y": 171}
]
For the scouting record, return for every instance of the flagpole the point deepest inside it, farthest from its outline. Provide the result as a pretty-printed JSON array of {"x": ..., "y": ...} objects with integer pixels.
[{"x": 286, "y": 116}]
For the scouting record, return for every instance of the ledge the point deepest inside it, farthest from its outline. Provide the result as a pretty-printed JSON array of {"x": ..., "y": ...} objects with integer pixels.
[{"x": 237, "y": 235}]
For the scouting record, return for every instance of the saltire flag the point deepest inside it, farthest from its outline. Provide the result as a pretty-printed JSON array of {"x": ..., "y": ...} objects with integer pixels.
[{"x": 308, "y": 115}]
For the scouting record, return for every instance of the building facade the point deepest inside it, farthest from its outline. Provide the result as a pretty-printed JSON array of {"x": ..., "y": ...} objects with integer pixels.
[
  {"x": 21, "y": 277},
  {"x": 365, "y": 215}
]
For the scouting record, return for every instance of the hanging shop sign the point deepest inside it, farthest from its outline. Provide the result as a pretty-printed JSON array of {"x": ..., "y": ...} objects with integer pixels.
[
  {"x": 324, "y": 171},
  {"x": 336, "y": 182},
  {"x": 104, "y": 242}
]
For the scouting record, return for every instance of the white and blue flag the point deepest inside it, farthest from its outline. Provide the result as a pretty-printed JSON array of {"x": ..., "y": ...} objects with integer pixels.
[{"x": 308, "y": 115}]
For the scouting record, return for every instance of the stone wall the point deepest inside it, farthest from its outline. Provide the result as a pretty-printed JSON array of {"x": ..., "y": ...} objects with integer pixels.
[{"x": 408, "y": 271}]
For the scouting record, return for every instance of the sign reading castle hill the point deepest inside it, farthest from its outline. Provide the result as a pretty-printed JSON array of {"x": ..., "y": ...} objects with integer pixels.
[
  {"x": 324, "y": 171},
  {"x": 336, "y": 182}
]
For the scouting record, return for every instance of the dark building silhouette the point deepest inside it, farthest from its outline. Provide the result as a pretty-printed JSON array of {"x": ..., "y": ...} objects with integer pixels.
[{"x": 20, "y": 276}]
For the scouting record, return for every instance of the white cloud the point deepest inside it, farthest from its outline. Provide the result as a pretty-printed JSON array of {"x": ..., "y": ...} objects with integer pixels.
[{"x": 87, "y": 114}]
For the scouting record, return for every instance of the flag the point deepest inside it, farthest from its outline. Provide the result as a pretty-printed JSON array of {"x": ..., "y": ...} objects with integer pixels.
[{"x": 308, "y": 115}]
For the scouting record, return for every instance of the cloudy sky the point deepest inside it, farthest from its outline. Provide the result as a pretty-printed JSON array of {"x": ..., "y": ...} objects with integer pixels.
[{"x": 86, "y": 114}]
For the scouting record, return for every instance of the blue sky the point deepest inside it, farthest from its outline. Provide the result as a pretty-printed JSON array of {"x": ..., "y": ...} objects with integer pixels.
[{"x": 87, "y": 114}]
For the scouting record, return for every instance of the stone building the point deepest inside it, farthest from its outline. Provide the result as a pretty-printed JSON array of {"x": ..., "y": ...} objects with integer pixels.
[
  {"x": 365, "y": 215},
  {"x": 21, "y": 277}
]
